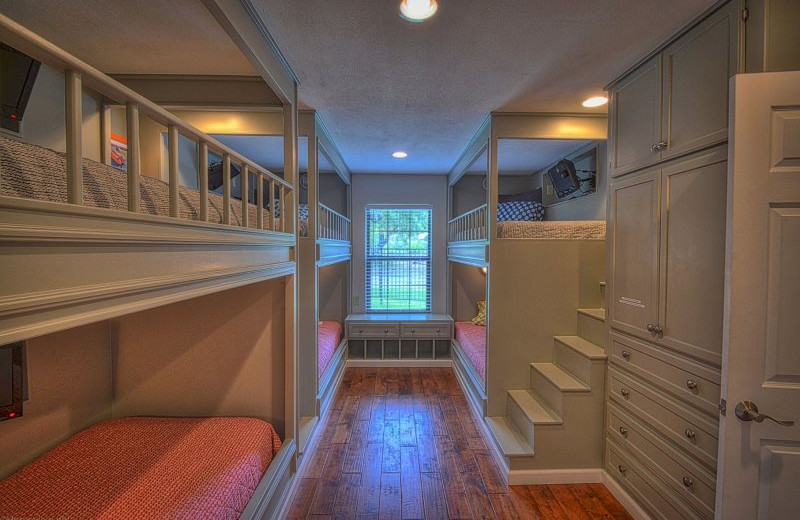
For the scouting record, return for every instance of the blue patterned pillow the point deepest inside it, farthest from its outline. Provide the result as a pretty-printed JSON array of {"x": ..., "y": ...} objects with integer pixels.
[
  {"x": 520, "y": 210},
  {"x": 302, "y": 211}
]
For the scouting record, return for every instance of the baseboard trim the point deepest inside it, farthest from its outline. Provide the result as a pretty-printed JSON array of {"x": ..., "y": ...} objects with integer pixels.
[
  {"x": 399, "y": 363},
  {"x": 529, "y": 477},
  {"x": 627, "y": 501}
]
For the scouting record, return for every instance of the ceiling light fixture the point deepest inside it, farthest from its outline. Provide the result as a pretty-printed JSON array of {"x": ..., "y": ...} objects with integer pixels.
[
  {"x": 596, "y": 101},
  {"x": 418, "y": 10},
  {"x": 399, "y": 155}
]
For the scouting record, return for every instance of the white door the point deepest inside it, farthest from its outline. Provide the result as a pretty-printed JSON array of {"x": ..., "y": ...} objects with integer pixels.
[{"x": 759, "y": 460}]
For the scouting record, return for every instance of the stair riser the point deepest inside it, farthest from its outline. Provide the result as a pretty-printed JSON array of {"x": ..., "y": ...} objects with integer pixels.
[
  {"x": 549, "y": 393},
  {"x": 574, "y": 363},
  {"x": 520, "y": 420},
  {"x": 592, "y": 330}
]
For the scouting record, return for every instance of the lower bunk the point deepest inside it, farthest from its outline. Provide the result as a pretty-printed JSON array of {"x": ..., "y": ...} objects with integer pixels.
[
  {"x": 156, "y": 467},
  {"x": 331, "y": 359},
  {"x": 469, "y": 361}
]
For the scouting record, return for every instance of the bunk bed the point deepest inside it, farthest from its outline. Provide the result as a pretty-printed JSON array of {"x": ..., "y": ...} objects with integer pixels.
[
  {"x": 87, "y": 242},
  {"x": 324, "y": 273}
]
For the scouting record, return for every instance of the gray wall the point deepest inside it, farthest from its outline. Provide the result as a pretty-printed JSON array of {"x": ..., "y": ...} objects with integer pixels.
[
  {"x": 401, "y": 189},
  {"x": 333, "y": 192}
]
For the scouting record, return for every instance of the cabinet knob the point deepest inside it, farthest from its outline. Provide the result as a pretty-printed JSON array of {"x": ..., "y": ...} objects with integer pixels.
[
  {"x": 688, "y": 482},
  {"x": 413, "y": 331},
  {"x": 386, "y": 331},
  {"x": 626, "y": 354},
  {"x": 657, "y": 147},
  {"x": 689, "y": 433},
  {"x": 691, "y": 385},
  {"x": 654, "y": 329},
  {"x": 622, "y": 469},
  {"x": 437, "y": 331},
  {"x": 624, "y": 392},
  {"x": 623, "y": 430}
]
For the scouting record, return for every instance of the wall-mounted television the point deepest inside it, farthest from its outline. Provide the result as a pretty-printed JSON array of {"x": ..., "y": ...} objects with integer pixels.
[
  {"x": 19, "y": 73},
  {"x": 12, "y": 373},
  {"x": 564, "y": 178}
]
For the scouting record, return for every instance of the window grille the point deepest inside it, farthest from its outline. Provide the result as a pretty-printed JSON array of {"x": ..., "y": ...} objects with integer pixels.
[{"x": 398, "y": 259}]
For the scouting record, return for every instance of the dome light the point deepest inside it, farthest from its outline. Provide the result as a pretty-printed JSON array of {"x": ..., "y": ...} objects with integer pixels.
[
  {"x": 399, "y": 155},
  {"x": 418, "y": 10},
  {"x": 596, "y": 101}
]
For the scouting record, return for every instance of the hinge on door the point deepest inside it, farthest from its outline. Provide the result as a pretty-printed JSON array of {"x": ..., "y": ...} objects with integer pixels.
[
  {"x": 745, "y": 14},
  {"x": 723, "y": 407}
]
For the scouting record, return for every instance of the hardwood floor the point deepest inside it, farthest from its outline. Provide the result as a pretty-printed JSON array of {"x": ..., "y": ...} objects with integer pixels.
[{"x": 403, "y": 443}]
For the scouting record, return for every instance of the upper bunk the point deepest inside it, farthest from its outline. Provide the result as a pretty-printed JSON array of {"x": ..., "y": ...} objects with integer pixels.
[
  {"x": 110, "y": 203},
  {"x": 324, "y": 216},
  {"x": 523, "y": 176}
]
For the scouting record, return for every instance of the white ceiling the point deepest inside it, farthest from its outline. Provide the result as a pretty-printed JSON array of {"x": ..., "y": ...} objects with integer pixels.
[
  {"x": 383, "y": 84},
  {"x": 526, "y": 156},
  {"x": 134, "y": 36},
  {"x": 267, "y": 151}
]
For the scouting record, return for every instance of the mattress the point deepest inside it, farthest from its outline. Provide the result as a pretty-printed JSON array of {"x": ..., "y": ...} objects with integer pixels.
[
  {"x": 553, "y": 229},
  {"x": 146, "y": 468},
  {"x": 33, "y": 172},
  {"x": 330, "y": 335},
  {"x": 472, "y": 339}
]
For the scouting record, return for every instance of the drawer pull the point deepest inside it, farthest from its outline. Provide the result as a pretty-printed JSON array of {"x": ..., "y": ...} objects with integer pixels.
[
  {"x": 413, "y": 331},
  {"x": 688, "y": 482},
  {"x": 626, "y": 354},
  {"x": 622, "y": 469},
  {"x": 386, "y": 331},
  {"x": 437, "y": 331},
  {"x": 657, "y": 147},
  {"x": 691, "y": 385},
  {"x": 623, "y": 430},
  {"x": 624, "y": 392},
  {"x": 689, "y": 433},
  {"x": 361, "y": 331}
]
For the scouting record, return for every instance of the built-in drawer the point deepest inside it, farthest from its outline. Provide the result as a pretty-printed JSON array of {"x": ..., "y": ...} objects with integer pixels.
[
  {"x": 649, "y": 491},
  {"x": 425, "y": 330},
  {"x": 373, "y": 330},
  {"x": 694, "y": 383},
  {"x": 694, "y": 484},
  {"x": 692, "y": 431}
]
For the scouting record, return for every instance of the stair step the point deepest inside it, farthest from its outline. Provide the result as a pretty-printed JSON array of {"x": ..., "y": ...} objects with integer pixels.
[
  {"x": 585, "y": 348},
  {"x": 598, "y": 314},
  {"x": 534, "y": 410},
  {"x": 512, "y": 443},
  {"x": 560, "y": 378}
]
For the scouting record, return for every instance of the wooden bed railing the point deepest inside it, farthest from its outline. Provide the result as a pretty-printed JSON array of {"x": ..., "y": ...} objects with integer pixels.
[
  {"x": 332, "y": 225},
  {"x": 79, "y": 74},
  {"x": 471, "y": 225}
]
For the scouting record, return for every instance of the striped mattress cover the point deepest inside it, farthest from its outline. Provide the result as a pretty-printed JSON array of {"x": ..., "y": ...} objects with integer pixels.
[
  {"x": 33, "y": 172},
  {"x": 146, "y": 468},
  {"x": 553, "y": 229},
  {"x": 472, "y": 339},
  {"x": 329, "y": 337}
]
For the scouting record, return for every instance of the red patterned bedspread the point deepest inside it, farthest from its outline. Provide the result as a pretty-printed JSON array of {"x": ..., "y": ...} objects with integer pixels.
[
  {"x": 330, "y": 335},
  {"x": 146, "y": 468},
  {"x": 472, "y": 339}
]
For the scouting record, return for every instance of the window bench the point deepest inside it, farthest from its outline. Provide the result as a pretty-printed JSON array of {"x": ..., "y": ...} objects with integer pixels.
[{"x": 399, "y": 336}]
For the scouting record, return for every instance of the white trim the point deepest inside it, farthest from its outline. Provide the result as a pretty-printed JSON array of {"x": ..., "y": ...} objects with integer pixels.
[
  {"x": 530, "y": 477},
  {"x": 628, "y": 502},
  {"x": 399, "y": 363}
]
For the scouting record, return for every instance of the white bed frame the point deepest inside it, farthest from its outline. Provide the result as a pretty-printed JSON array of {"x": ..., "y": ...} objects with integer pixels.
[{"x": 111, "y": 263}]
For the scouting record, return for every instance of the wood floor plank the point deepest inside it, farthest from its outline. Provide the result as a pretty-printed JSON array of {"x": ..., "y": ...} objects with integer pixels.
[
  {"x": 378, "y": 419},
  {"x": 391, "y": 507},
  {"x": 370, "y": 493},
  {"x": 356, "y": 449},
  {"x": 411, "y": 485},
  {"x": 433, "y": 496},
  {"x": 391, "y": 447},
  {"x": 455, "y": 495},
  {"x": 346, "y": 496},
  {"x": 306, "y": 487},
  {"x": 328, "y": 484},
  {"x": 408, "y": 432},
  {"x": 494, "y": 482},
  {"x": 504, "y": 507}
]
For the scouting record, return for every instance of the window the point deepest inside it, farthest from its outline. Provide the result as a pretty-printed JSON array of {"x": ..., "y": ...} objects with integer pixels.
[{"x": 398, "y": 258}]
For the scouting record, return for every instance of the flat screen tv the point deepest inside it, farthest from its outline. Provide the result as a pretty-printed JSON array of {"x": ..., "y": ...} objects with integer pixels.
[
  {"x": 11, "y": 381},
  {"x": 19, "y": 74},
  {"x": 564, "y": 178}
]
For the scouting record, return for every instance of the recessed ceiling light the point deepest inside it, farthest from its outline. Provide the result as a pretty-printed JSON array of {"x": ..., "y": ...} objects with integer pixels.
[
  {"x": 596, "y": 101},
  {"x": 418, "y": 10},
  {"x": 399, "y": 155}
]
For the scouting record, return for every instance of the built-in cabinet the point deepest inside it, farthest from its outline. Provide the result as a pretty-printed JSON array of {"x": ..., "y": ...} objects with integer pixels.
[
  {"x": 668, "y": 136},
  {"x": 677, "y": 101},
  {"x": 399, "y": 336}
]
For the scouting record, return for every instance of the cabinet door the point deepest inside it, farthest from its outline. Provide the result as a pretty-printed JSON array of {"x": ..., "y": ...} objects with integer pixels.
[
  {"x": 697, "y": 68},
  {"x": 634, "y": 240},
  {"x": 693, "y": 254},
  {"x": 636, "y": 119}
]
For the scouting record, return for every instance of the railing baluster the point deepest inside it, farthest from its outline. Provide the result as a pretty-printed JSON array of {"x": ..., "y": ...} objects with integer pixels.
[
  {"x": 273, "y": 208},
  {"x": 202, "y": 172},
  {"x": 245, "y": 195},
  {"x": 134, "y": 154},
  {"x": 226, "y": 189},
  {"x": 282, "y": 203},
  {"x": 74, "y": 126},
  {"x": 260, "y": 200},
  {"x": 174, "y": 185}
]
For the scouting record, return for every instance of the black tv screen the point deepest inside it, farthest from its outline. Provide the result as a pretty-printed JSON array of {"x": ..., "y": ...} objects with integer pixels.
[
  {"x": 564, "y": 178},
  {"x": 11, "y": 384},
  {"x": 19, "y": 74}
]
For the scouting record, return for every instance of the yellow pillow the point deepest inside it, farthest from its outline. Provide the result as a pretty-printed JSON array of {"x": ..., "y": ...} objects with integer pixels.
[{"x": 480, "y": 319}]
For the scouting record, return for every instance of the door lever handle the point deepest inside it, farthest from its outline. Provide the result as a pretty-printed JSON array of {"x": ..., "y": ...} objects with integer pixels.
[{"x": 748, "y": 411}]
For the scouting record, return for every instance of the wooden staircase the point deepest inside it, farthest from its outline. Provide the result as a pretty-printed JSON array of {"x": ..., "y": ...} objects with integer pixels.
[{"x": 557, "y": 423}]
